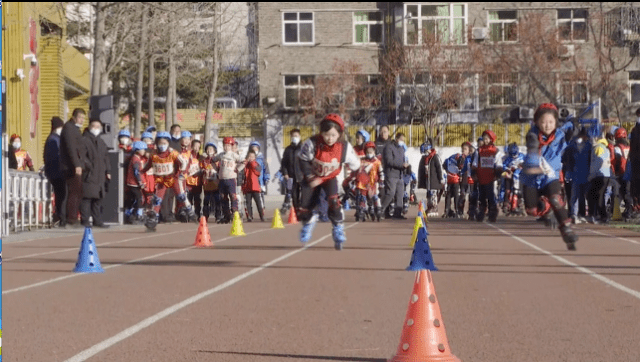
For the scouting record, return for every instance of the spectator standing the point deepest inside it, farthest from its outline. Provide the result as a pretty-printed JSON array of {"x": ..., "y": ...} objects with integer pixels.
[
  {"x": 53, "y": 171},
  {"x": 634, "y": 159},
  {"x": 72, "y": 153},
  {"x": 382, "y": 140},
  {"x": 394, "y": 165},
  {"x": 97, "y": 172},
  {"x": 19, "y": 159},
  {"x": 288, "y": 171}
]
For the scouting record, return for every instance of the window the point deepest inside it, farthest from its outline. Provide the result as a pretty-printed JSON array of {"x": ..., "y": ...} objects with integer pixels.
[
  {"x": 502, "y": 89},
  {"x": 572, "y": 24},
  {"x": 503, "y": 25},
  {"x": 298, "y": 28},
  {"x": 368, "y": 91},
  {"x": 445, "y": 22},
  {"x": 573, "y": 89},
  {"x": 298, "y": 90},
  {"x": 634, "y": 86},
  {"x": 368, "y": 27},
  {"x": 450, "y": 90}
]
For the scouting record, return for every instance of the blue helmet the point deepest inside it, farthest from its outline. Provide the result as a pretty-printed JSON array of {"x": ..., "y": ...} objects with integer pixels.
[
  {"x": 146, "y": 135},
  {"x": 212, "y": 145},
  {"x": 364, "y": 135},
  {"x": 124, "y": 133},
  {"x": 425, "y": 147},
  {"x": 186, "y": 134},
  {"x": 513, "y": 149},
  {"x": 163, "y": 134},
  {"x": 254, "y": 143},
  {"x": 139, "y": 145},
  {"x": 150, "y": 129},
  {"x": 480, "y": 139}
]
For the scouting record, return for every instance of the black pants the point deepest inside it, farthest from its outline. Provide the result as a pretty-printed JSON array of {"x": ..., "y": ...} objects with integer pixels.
[
  {"x": 60, "y": 193},
  {"x": 310, "y": 198},
  {"x": 553, "y": 191},
  {"x": 91, "y": 208},
  {"x": 166, "y": 209},
  {"x": 74, "y": 197},
  {"x": 596, "y": 197},
  {"x": 393, "y": 188},
  {"x": 635, "y": 190},
  {"x": 138, "y": 198},
  {"x": 453, "y": 192},
  {"x": 487, "y": 200},
  {"x": 194, "y": 196},
  {"x": 257, "y": 197},
  {"x": 212, "y": 203}
]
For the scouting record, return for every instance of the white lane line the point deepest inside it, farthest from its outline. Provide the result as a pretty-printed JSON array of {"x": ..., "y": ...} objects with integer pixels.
[
  {"x": 46, "y": 282},
  {"x": 107, "y": 243},
  {"x": 92, "y": 351},
  {"x": 632, "y": 292},
  {"x": 612, "y": 236},
  {"x": 68, "y": 233}
]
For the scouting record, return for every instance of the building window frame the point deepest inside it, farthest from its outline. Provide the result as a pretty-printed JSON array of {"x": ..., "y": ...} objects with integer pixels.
[
  {"x": 420, "y": 20},
  {"x": 467, "y": 84},
  {"x": 634, "y": 81},
  {"x": 566, "y": 81},
  {"x": 503, "y": 23},
  {"x": 504, "y": 82},
  {"x": 302, "y": 83},
  {"x": 572, "y": 20},
  {"x": 368, "y": 24},
  {"x": 298, "y": 21}
]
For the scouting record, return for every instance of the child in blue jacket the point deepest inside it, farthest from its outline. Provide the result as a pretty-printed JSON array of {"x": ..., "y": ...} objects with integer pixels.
[{"x": 546, "y": 143}]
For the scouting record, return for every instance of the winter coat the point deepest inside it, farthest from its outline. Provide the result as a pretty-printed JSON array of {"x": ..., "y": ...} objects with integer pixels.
[
  {"x": 251, "y": 177},
  {"x": 52, "y": 159},
  {"x": 453, "y": 167},
  {"x": 552, "y": 155},
  {"x": 287, "y": 168},
  {"x": 393, "y": 160},
  {"x": 634, "y": 150},
  {"x": 72, "y": 149},
  {"x": 380, "y": 144},
  {"x": 96, "y": 167},
  {"x": 578, "y": 160},
  {"x": 265, "y": 175},
  {"x": 430, "y": 173},
  {"x": 600, "y": 160}
]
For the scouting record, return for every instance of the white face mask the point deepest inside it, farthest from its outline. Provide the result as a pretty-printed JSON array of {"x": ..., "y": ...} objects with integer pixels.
[
  {"x": 95, "y": 131},
  {"x": 58, "y": 131},
  {"x": 176, "y": 135},
  {"x": 149, "y": 142},
  {"x": 579, "y": 140},
  {"x": 400, "y": 143},
  {"x": 211, "y": 154},
  {"x": 79, "y": 125},
  {"x": 124, "y": 141},
  {"x": 163, "y": 147},
  {"x": 295, "y": 140},
  {"x": 16, "y": 145},
  {"x": 371, "y": 155}
]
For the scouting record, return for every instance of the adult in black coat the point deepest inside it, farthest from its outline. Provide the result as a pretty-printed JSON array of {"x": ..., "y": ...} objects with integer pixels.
[
  {"x": 72, "y": 153},
  {"x": 430, "y": 175},
  {"x": 287, "y": 168},
  {"x": 97, "y": 172},
  {"x": 53, "y": 171},
  {"x": 382, "y": 140},
  {"x": 634, "y": 158},
  {"x": 394, "y": 164}
]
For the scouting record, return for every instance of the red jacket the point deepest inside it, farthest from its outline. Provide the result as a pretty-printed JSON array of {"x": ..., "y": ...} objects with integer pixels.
[{"x": 251, "y": 180}]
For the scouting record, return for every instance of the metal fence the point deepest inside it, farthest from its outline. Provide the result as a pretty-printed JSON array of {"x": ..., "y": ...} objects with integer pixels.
[{"x": 27, "y": 201}]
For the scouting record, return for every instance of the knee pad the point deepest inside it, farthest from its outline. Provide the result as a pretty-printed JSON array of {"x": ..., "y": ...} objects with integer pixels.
[
  {"x": 334, "y": 203},
  {"x": 533, "y": 211},
  {"x": 557, "y": 202}
]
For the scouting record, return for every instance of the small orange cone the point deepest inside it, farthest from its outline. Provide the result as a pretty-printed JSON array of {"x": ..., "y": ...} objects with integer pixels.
[
  {"x": 293, "y": 218},
  {"x": 203, "y": 238},
  {"x": 424, "y": 338}
]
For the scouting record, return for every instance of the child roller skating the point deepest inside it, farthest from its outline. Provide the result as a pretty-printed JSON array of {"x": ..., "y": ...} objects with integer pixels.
[
  {"x": 230, "y": 164},
  {"x": 487, "y": 162},
  {"x": 511, "y": 178},
  {"x": 430, "y": 176},
  {"x": 367, "y": 179},
  {"x": 319, "y": 163},
  {"x": 541, "y": 169}
]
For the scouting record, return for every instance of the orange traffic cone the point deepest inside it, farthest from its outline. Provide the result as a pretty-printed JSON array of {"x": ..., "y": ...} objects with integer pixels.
[
  {"x": 423, "y": 335},
  {"x": 203, "y": 238},
  {"x": 293, "y": 218}
]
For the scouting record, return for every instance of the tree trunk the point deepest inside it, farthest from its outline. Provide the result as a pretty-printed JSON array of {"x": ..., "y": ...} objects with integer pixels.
[
  {"x": 168, "y": 120},
  {"x": 98, "y": 50},
  {"x": 208, "y": 118},
  {"x": 168, "y": 107},
  {"x": 141, "y": 61},
  {"x": 152, "y": 96}
]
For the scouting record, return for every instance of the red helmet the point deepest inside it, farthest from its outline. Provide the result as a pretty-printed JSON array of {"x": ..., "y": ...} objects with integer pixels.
[
  {"x": 491, "y": 134},
  {"x": 548, "y": 106},
  {"x": 620, "y": 133},
  {"x": 13, "y": 137},
  {"x": 332, "y": 117},
  {"x": 228, "y": 141},
  {"x": 369, "y": 145}
]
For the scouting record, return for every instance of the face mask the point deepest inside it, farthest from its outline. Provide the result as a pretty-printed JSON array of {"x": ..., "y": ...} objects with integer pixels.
[
  {"x": 16, "y": 145},
  {"x": 95, "y": 131},
  {"x": 579, "y": 140},
  {"x": 176, "y": 136},
  {"x": 78, "y": 125},
  {"x": 400, "y": 143},
  {"x": 124, "y": 141},
  {"x": 58, "y": 131},
  {"x": 163, "y": 147},
  {"x": 211, "y": 154},
  {"x": 371, "y": 155},
  {"x": 295, "y": 140},
  {"x": 149, "y": 142}
]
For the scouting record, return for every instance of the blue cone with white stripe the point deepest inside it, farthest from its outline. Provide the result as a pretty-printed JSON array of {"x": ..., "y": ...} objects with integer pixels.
[
  {"x": 421, "y": 259},
  {"x": 88, "y": 261}
]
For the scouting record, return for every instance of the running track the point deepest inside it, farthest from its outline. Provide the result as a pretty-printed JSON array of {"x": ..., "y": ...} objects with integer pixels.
[{"x": 508, "y": 292}]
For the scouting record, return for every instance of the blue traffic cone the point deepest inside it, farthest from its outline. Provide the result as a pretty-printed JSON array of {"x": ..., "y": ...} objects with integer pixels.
[
  {"x": 88, "y": 261},
  {"x": 421, "y": 258}
]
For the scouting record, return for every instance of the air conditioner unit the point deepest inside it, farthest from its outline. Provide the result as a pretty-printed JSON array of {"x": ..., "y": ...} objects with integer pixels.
[
  {"x": 480, "y": 33},
  {"x": 526, "y": 113},
  {"x": 566, "y": 51}
]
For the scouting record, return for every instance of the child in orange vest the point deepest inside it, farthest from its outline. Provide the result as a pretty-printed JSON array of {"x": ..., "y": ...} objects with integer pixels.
[
  {"x": 487, "y": 164},
  {"x": 210, "y": 183},
  {"x": 23, "y": 161}
]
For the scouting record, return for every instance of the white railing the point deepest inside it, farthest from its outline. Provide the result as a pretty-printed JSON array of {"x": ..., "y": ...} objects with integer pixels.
[{"x": 29, "y": 201}]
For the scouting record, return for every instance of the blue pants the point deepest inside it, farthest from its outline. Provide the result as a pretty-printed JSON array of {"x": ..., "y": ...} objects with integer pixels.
[
  {"x": 227, "y": 190},
  {"x": 578, "y": 198},
  {"x": 487, "y": 198}
]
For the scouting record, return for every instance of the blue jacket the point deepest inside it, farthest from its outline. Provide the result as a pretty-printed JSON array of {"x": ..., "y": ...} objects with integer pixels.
[
  {"x": 513, "y": 162},
  {"x": 627, "y": 171},
  {"x": 552, "y": 155},
  {"x": 466, "y": 168},
  {"x": 52, "y": 162},
  {"x": 579, "y": 161},
  {"x": 264, "y": 170},
  {"x": 600, "y": 165}
]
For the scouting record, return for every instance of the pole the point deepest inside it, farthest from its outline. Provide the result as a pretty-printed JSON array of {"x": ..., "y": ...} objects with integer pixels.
[{"x": 2, "y": 127}]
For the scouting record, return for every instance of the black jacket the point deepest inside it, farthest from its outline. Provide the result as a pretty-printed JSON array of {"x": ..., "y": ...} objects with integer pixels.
[
  {"x": 634, "y": 152},
  {"x": 97, "y": 167},
  {"x": 52, "y": 160},
  {"x": 380, "y": 144},
  {"x": 435, "y": 173},
  {"x": 393, "y": 160},
  {"x": 287, "y": 167},
  {"x": 72, "y": 149}
]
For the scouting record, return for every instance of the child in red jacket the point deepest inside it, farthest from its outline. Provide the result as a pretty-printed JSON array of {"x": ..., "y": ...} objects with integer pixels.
[{"x": 251, "y": 187}]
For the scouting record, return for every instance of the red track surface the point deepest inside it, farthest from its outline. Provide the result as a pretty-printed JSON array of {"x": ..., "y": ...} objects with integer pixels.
[{"x": 502, "y": 299}]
